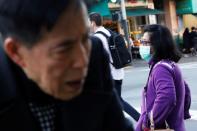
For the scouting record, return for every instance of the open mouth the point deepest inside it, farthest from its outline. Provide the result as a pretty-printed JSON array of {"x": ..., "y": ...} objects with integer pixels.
[{"x": 76, "y": 85}]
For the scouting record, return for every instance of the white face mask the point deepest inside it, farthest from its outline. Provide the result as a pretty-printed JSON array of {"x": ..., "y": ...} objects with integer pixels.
[{"x": 145, "y": 52}]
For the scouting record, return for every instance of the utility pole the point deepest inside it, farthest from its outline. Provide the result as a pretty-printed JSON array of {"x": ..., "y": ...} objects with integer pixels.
[{"x": 124, "y": 24}]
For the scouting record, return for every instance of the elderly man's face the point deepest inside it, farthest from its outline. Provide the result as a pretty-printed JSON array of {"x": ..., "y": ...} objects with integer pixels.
[{"x": 58, "y": 63}]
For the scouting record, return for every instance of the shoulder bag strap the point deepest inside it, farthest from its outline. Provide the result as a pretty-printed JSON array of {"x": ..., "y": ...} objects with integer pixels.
[
  {"x": 152, "y": 125},
  {"x": 107, "y": 37},
  {"x": 145, "y": 91},
  {"x": 101, "y": 32}
]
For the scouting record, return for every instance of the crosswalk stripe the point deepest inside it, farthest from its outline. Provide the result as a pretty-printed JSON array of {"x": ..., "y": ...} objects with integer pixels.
[{"x": 193, "y": 113}]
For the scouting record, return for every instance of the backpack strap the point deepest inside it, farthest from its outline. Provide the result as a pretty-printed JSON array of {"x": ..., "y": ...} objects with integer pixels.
[
  {"x": 100, "y": 32},
  {"x": 107, "y": 38},
  {"x": 166, "y": 64}
]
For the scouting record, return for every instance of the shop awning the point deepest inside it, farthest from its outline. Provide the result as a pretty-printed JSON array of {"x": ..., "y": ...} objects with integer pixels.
[
  {"x": 102, "y": 8},
  {"x": 143, "y": 12}
]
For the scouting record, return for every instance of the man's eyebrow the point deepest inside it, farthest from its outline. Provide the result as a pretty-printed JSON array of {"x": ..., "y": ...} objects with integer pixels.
[
  {"x": 65, "y": 43},
  {"x": 70, "y": 41}
]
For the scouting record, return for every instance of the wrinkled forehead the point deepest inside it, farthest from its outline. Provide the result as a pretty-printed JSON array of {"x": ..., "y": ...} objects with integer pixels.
[
  {"x": 76, "y": 13},
  {"x": 71, "y": 24},
  {"x": 73, "y": 17}
]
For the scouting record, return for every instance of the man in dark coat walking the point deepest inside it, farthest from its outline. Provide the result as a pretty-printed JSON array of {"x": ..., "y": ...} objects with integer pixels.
[
  {"x": 193, "y": 38},
  {"x": 186, "y": 41}
]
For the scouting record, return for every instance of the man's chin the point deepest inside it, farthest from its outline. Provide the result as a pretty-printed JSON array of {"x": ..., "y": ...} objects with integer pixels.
[{"x": 69, "y": 96}]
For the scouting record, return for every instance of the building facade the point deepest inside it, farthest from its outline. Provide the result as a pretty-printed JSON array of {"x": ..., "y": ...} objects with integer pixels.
[{"x": 175, "y": 14}]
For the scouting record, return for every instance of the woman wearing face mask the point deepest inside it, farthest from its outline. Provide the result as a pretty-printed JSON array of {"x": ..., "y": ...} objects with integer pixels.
[{"x": 166, "y": 96}]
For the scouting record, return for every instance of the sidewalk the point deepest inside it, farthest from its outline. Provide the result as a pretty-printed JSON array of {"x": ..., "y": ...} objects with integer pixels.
[{"x": 141, "y": 63}]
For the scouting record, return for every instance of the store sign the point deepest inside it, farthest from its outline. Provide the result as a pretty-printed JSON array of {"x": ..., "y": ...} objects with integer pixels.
[
  {"x": 186, "y": 6},
  {"x": 194, "y": 6},
  {"x": 129, "y": 3}
]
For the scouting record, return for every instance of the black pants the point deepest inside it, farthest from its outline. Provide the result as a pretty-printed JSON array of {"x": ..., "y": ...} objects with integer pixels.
[{"x": 126, "y": 106}]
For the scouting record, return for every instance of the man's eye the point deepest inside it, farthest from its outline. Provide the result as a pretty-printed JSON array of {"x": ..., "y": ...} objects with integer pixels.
[{"x": 61, "y": 50}]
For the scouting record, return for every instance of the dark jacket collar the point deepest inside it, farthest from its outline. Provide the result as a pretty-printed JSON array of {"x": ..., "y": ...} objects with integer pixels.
[{"x": 7, "y": 81}]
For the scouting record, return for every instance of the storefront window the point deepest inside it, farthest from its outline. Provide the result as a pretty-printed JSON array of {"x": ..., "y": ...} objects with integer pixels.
[
  {"x": 137, "y": 24},
  {"x": 109, "y": 24}
]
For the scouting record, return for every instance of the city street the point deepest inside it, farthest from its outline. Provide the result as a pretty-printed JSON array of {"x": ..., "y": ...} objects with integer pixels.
[{"x": 136, "y": 76}]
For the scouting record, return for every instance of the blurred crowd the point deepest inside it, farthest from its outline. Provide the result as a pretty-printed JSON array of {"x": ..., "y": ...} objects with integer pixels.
[{"x": 190, "y": 41}]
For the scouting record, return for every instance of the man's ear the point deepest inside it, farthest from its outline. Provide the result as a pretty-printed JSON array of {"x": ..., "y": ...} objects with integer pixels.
[
  {"x": 93, "y": 23},
  {"x": 12, "y": 48}
]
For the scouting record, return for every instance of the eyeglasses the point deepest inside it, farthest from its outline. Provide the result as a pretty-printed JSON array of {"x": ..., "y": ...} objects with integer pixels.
[{"x": 144, "y": 42}]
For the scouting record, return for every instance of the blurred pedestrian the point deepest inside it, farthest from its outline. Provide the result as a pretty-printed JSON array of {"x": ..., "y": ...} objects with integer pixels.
[
  {"x": 166, "y": 96},
  {"x": 193, "y": 37},
  {"x": 96, "y": 22},
  {"x": 186, "y": 40},
  {"x": 46, "y": 84}
]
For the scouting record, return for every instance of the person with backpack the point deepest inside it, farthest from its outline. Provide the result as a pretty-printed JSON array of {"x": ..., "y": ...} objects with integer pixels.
[{"x": 117, "y": 60}]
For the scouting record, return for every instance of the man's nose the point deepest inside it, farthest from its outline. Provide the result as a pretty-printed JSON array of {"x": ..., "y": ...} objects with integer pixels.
[{"x": 80, "y": 59}]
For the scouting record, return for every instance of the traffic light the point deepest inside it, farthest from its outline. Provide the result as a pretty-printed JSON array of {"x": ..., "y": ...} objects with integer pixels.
[{"x": 114, "y": 1}]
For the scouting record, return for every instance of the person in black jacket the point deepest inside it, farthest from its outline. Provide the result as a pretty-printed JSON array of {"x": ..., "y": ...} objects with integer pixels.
[
  {"x": 50, "y": 78},
  {"x": 186, "y": 40},
  {"x": 193, "y": 37}
]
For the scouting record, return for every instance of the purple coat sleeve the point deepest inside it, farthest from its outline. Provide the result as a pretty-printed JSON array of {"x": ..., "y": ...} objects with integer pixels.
[{"x": 165, "y": 99}]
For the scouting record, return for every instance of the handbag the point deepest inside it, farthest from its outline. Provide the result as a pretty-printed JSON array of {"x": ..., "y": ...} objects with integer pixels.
[{"x": 152, "y": 125}]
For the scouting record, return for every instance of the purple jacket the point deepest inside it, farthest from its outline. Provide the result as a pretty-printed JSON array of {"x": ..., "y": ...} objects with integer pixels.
[{"x": 168, "y": 97}]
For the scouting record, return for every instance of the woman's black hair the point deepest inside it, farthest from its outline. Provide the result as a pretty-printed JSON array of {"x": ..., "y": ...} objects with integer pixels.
[{"x": 163, "y": 43}]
